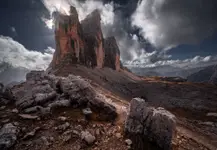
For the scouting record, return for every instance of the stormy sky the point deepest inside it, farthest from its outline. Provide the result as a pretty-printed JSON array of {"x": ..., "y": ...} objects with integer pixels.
[{"x": 150, "y": 33}]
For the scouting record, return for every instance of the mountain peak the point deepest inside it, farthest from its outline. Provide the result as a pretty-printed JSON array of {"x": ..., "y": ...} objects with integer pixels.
[{"x": 83, "y": 43}]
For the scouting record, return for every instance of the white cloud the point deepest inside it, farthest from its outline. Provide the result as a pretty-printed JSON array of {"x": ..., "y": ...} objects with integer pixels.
[
  {"x": 168, "y": 23},
  {"x": 83, "y": 8},
  {"x": 17, "y": 55},
  {"x": 145, "y": 60}
]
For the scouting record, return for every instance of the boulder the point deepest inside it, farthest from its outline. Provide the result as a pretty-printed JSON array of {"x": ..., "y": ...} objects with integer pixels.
[
  {"x": 105, "y": 111},
  {"x": 149, "y": 124},
  {"x": 29, "y": 117},
  {"x": 87, "y": 113},
  {"x": 79, "y": 90},
  {"x": 59, "y": 103},
  {"x": 42, "y": 98},
  {"x": 42, "y": 95},
  {"x": 88, "y": 137},
  {"x": 8, "y": 136},
  {"x": 81, "y": 93}
]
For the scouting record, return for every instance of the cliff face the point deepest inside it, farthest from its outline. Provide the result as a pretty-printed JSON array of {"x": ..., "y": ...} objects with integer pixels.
[
  {"x": 112, "y": 54},
  {"x": 70, "y": 44},
  {"x": 83, "y": 43},
  {"x": 94, "y": 37}
]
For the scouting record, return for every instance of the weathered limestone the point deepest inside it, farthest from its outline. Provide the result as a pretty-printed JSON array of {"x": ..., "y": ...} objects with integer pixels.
[
  {"x": 42, "y": 93},
  {"x": 8, "y": 136},
  {"x": 149, "y": 124},
  {"x": 112, "y": 54},
  {"x": 83, "y": 43}
]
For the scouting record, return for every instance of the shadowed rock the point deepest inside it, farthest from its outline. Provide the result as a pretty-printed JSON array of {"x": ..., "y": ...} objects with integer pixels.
[
  {"x": 149, "y": 124},
  {"x": 42, "y": 94},
  {"x": 8, "y": 136},
  {"x": 112, "y": 54}
]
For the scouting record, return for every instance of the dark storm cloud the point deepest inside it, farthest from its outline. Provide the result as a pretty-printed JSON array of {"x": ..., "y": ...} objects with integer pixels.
[{"x": 168, "y": 23}]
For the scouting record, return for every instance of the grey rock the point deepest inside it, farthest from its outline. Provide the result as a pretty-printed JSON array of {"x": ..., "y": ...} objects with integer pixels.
[
  {"x": 62, "y": 118},
  {"x": 156, "y": 125},
  {"x": 211, "y": 114},
  {"x": 87, "y": 111},
  {"x": 32, "y": 109},
  {"x": 63, "y": 126},
  {"x": 45, "y": 140},
  {"x": 39, "y": 110},
  {"x": 31, "y": 134},
  {"x": 27, "y": 116},
  {"x": 78, "y": 89},
  {"x": 82, "y": 94},
  {"x": 42, "y": 98},
  {"x": 106, "y": 111},
  {"x": 60, "y": 103},
  {"x": 66, "y": 136},
  {"x": 8, "y": 136},
  {"x": 128, "y": 142},
  {"x": 15, "y": 111},
  {"x": 88, "y": 137}
]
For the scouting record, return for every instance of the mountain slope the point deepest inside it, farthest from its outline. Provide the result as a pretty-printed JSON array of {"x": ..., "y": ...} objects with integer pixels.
[{"x": 209, "y": 74}]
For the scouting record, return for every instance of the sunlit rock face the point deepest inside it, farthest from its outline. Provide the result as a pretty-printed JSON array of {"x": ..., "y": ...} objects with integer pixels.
[
  {"x": 112, "y": 54},
  {"x": 69, "y": 39},
  {"x": 94, "y": 37},
  {"x": 83, "y": 43}
]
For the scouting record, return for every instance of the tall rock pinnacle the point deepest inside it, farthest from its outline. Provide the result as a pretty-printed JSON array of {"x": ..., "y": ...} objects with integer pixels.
[
  {"x": 69, "y": 41},
  {"x": 83, "y": 43},
  {"x": 112, "y": 54},
  {"x": 94, "y": 37}
]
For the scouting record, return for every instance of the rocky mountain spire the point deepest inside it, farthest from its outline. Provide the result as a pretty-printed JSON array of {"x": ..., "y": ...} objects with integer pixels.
[
  {"x": 94, "y": 37},
  {"x": 112, "y": 53},
  {"x": 69, "y": 41},
  {"x": 83, "y": 43}
]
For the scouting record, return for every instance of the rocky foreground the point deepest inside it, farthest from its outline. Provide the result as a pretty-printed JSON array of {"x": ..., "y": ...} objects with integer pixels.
[{"x": 50, "y": 112}]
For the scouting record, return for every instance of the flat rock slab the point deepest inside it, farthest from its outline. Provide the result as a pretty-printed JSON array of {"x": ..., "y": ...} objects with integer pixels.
[{"x": 27, "y": 116}]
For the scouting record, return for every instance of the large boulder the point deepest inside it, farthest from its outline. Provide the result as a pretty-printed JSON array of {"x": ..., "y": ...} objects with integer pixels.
[
  {"x": 42, "y": 93},
  {"x": 82, "y": 94},
  {"x": 8, "y": 136},
  {"x": 145, "y": 124}
]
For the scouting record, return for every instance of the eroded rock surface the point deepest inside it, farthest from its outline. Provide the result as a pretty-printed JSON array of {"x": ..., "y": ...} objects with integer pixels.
[
  {"x": 8, "y": 136},
  {"x": 112, "y": 54},
  {"x": 83, "y": 42},
  {"x": 70, "y": 44},
  {"x": 42, "y": 93},
  {"x": 147, "y": 123}
]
